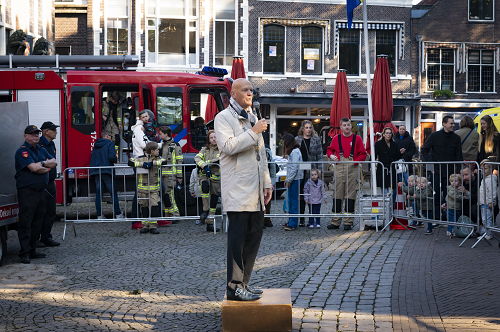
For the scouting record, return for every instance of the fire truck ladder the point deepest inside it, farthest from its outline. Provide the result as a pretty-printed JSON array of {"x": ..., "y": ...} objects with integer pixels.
[{"x": 123, "y": 62}]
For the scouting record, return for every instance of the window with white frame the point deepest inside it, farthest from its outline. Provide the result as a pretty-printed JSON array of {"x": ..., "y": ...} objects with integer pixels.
[
  {"x": 481, "y": 10},
  {"x": 480, "y": 70},
  {"x": 117, "y": 40},
  {"x": 440, "y": 69},
  {"x": 172, "y": 37},
  {"x": 386, "y": 44},
  {"x": 274, "y": 49},
  {"x": 225, "y": 32},
  {"x": 312, "y": 50},
  {"x": 349, "y": 51}
]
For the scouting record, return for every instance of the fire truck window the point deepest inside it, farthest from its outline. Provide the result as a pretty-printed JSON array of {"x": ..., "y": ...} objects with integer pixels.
[
  {"x": 169, "y": 106},
  {"x": 82, "y": 107}
]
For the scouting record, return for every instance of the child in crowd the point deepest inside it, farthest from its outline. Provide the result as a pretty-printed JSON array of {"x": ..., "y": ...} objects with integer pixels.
[
  {"x": 487, "y": 196},
  {"x": 454, "y": 200},
  {"x": 410, "y": 193},
  {"x": 424, "y": 201},
  {"x": 210, "y": 190},
  {"x": 150, "y": 127},
  {"x": 293, "y": 177},
  {"x": 195, "y": 191},
  {"x": 314, "y": 192},
  {"x": 148, "y": 186}
]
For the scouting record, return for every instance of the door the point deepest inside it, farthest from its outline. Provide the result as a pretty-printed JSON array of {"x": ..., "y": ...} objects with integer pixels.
[
  {"x": 426, "y": 129},
  {"x": 145, "y": 98}
]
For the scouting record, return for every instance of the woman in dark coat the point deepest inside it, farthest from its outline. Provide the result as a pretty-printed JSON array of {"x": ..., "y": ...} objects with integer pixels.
[{"x": 386, "y": 151}]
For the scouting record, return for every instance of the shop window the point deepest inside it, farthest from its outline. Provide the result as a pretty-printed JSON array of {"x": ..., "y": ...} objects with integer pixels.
[
  {"x": 481, "y": 10},
  {"x": 386, "y": 44},
  {"x": 349, "y": 51},
  {"x": 440, "y": 69},
  {"x": 480, "y": 71},
  {"x": 225, "y": 36},
  {"x": 398, "y": 113},
  {"x": 172, "y": 38},
  {"x": 117, "y": 27},
  {"x": 169, "y": 106},
  {"x": 312, "y": 50},
  {"x": 274, "y": 49}
]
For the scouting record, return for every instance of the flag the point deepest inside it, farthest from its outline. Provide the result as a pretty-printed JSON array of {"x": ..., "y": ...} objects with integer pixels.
[{"x": 351, "y": 4}]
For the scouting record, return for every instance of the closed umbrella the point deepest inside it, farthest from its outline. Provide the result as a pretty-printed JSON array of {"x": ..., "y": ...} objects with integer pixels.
[
  {"x": 238, "y": 69},
  {"x": 341, "y": 103},
  {"x": 381, "y": 99},
  {"x": 211, "y": 109}
]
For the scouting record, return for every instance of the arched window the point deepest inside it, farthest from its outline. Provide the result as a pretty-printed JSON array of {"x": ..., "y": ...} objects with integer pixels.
[{"x": 274, "y": 49}]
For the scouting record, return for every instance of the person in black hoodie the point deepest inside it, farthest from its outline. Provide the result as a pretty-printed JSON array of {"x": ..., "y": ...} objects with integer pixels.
[
  {"x": 443, "y": 145},
  {"x": 104, "y": 154},
  {"x": 406, "y": 146}
]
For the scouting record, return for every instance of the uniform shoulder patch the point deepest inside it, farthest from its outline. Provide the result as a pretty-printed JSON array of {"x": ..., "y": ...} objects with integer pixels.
[{"x": 25, "y": 154}]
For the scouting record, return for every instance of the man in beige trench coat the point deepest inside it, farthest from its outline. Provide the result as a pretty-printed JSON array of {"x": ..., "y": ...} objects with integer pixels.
[{"x": 245, "y": 187}]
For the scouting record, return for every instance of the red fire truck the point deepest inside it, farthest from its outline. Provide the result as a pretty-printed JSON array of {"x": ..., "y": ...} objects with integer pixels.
[{"x": 71, "y": 91}]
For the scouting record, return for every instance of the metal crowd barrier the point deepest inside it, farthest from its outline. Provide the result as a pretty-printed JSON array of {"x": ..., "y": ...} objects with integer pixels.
[
  {"x": 125, "y": 178},
  {"x": 489, "y": 194},
  {"x": 369, "y": 210},
  {"x": 459, "y": 195}
]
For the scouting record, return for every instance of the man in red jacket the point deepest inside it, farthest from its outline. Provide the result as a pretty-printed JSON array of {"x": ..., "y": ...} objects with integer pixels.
[{"x": 345, "y": 147}]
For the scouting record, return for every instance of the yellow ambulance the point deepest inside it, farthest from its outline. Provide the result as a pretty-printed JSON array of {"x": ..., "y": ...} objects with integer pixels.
[{"x": 495, "y": 115}]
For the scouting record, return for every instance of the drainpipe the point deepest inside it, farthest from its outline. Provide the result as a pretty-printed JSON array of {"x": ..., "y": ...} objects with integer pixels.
[{"x": 420, "y": 55}]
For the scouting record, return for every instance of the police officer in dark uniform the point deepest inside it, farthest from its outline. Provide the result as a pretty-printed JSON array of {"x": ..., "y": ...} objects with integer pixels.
[
  {"x": 33, "y": 164},
  {"x": 49, "y": 134}
]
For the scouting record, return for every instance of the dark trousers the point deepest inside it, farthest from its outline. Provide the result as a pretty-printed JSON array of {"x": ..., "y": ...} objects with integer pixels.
[
  {"x": 243, "y": 241},
  {"x": 50, "y": 212},
  {"x": 31, "y": 213},
  {"x": 314, "y": 209}
]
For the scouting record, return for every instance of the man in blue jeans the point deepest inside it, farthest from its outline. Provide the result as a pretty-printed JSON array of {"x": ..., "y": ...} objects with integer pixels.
[{"x": 104, "y": 154}]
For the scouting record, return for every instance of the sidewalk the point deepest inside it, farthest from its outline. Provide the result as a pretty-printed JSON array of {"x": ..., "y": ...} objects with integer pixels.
[{"x": 340, "y": 280}]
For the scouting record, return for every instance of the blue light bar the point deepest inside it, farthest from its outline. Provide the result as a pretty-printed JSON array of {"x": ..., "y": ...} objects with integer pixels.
[{"x": 213, "y": 71}]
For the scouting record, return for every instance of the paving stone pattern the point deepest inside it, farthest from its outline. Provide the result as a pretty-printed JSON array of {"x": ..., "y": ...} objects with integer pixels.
[{"x": 112, "y": 278}]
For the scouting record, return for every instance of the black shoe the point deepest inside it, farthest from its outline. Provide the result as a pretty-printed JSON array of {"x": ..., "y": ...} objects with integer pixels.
[
  {"x": 50, "y": 242},
  {"x": 268, "y": 224},
  {"x": 241, "y": 295},
  {"x": 332, "y": 226},
  {"x": 210, "y": 228},
  {"x": 253, "y": 290},
  {"x": 154, "y": 231},
  {"x": 36, "y": 254},
  {"x": 302, "y": 224},
  {"x": 25, "y": 259},
  {"x": 144, "y": 230},
  {"x": 347, "y": 227},
  {"x": 175, "y": 221},
  {"x": 203, "y": 217}
]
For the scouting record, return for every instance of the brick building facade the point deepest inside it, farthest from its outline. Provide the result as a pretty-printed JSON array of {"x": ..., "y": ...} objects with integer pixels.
[
  {"x": 34, "y": 17},
  {"x": 455, "y": 48}
]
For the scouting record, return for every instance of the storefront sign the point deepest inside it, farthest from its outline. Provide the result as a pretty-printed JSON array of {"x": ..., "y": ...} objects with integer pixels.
[{"x": 311, "y": 54}]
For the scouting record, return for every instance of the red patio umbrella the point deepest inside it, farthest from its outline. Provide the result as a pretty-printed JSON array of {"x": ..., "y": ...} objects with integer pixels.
[
  {"x": 238, "y": 70},
  {"x": 341, "y": 103},
  {"x": 381, "y": 100},
  {"x": 211, "y": 109}
]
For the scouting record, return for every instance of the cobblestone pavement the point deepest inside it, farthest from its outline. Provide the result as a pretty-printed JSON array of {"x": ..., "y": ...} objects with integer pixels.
[{"x": 112, "y": 278}]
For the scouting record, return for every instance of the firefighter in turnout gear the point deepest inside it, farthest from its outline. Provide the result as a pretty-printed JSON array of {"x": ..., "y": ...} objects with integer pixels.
[
  {"x": 209, "y": 179},
  {"x": 148, "y": 186},
  {"x": 171, "y": 175}
]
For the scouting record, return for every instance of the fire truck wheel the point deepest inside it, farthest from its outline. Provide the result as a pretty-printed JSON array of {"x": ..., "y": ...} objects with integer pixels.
[{"x": 3, "y": 244}]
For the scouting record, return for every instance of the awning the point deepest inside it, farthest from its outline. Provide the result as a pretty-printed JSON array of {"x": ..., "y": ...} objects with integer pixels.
[
  {"x": 377, "y": 26},
  {"x": 296, "y": 22}
]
